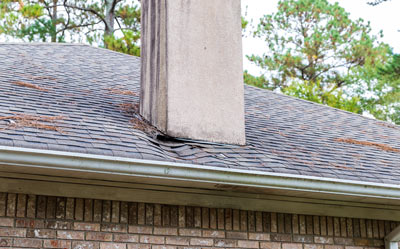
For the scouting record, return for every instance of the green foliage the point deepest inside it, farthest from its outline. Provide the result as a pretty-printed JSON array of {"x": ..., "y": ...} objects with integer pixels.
[
  {"x": 316, "y": 52},
  {"x": 312, "y": 91},
  {"x": 39, "y": 30},
  {"x": 130, "y": 16},
  {"x": 392, "y": 69},
  {"x": 96, "y": 22},
  {"x": 258, "y": 81},
  {"x": 7, "y": 17},
  {"x": 384, "y": 102},
  {"x": 313, "y": 40},
  {"x": 244, "y": 23},
  {"x": 32, "y": 11},
  {"x": 127, "y": 44}
]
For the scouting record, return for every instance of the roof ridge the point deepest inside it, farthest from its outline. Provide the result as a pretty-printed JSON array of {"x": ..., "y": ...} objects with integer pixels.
[
  {"x": 44, "y": 44},
  {"x": 64, "y": 44},
  {"x": 109, "y": 50},
  {"x": 326, "y": 106}
]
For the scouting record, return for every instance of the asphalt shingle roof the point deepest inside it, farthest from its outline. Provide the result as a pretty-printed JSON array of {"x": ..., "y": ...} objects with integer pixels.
[{"x": 89, "y": 93}]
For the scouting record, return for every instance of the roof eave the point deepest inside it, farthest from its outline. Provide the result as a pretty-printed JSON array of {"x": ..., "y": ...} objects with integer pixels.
[
  {"x": 13, "y": 158},
  {"x": 170, "y": 174}
]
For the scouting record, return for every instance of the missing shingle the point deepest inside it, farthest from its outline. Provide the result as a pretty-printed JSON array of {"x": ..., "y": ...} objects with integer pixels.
[
  {"x": 34, "y": 121},
  {"x": 30, "y": 85},
  {"x": 384, "y": 147}
]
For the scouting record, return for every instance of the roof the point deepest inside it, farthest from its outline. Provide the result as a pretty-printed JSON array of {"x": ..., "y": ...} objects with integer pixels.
[{"x": 76, "y": 98}]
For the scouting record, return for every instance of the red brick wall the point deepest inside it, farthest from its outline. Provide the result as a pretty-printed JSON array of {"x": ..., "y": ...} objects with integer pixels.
[{"x": 29, "y": 221}]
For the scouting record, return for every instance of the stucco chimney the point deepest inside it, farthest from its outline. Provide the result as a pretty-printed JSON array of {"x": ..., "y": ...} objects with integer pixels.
[{"x": 192, "y": 70}]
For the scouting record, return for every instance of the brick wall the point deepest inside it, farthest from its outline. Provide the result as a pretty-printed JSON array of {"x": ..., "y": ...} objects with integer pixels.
[{"x": 29, "y": 221}]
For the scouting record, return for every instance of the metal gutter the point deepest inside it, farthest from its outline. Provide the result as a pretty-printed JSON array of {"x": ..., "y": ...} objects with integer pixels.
[
  {"x": 13, "y": 159},
  {"x": 392, "y": 239}
]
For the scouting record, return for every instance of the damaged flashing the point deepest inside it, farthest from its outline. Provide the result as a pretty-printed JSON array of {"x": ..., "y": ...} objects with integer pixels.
[{"x": 140, "y": 123}]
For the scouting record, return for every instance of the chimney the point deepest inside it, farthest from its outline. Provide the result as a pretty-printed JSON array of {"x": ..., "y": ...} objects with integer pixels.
[{"x": 192, "y": 69}]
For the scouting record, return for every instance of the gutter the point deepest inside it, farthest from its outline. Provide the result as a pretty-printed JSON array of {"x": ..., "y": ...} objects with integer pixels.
[
  {"x": 67, "y": 164},
  {"x": 392, "y": 239}
]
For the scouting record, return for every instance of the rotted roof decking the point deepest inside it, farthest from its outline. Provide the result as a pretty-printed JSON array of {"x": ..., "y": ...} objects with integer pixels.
[{"x": 77, "y": 98}]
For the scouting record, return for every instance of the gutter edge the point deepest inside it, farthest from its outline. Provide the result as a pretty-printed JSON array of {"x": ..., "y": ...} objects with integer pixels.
[{"x": 79, "y": 162}]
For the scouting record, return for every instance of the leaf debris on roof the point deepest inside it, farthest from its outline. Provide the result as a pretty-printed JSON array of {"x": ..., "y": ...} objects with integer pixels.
[
  {"x": 384, "y": 147},
  {"x": 129, "y": 108},
  {"x": 30, "y": 85},
  {"x": 121, "y": 91},
  {"x": 34, "y": 121},
  {"x": 137, "y": 121}
]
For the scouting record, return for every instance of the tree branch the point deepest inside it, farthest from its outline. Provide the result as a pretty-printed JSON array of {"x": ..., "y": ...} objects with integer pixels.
[
  {"x": 77, "y": 26},
  {"x": 47, "y": 7},
  {"x": 377, "y": 2},
  {"x": 68, "y": 20},
  {"x": 86, "y": 9},
  {"x": 115, "y": 2}
]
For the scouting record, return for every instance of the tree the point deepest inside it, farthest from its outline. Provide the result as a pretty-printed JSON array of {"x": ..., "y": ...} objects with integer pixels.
[
  {"x": 384, "y": 98},
  {"x": 376, "y": 2},
  {"x": 316, "y": 52},
  {"x": 114, "y": 24}
]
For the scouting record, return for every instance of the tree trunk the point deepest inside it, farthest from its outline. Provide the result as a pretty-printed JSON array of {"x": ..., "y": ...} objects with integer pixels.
[
  {"x": 54, "y": 22},
  {"x": 109, "y": 18}
]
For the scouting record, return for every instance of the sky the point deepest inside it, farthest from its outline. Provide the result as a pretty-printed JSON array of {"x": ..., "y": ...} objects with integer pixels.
[{"x": 383, "y": 17}]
